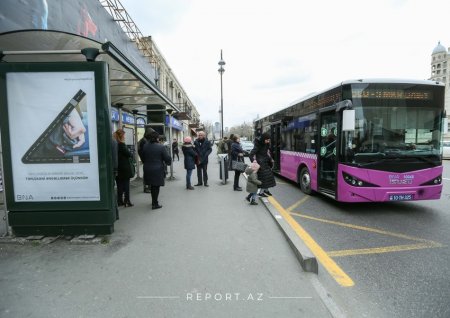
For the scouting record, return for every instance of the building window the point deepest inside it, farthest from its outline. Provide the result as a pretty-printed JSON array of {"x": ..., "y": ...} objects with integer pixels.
[
  {"x": 438, "y": 72},
  {"x": 433, "y": 67},
  {"x": 444, "y": 79},
  {"x": 439, "y": 65}
]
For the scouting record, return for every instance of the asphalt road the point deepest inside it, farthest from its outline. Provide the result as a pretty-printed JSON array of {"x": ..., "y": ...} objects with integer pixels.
[{"x": 396, "y": 254}]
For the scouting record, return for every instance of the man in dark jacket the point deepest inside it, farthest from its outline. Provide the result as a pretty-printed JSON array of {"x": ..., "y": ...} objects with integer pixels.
[
  {"x": 155, "y": 156},
  {"x": 203, "y": 149},
  {"x": 141, "y": 144}
]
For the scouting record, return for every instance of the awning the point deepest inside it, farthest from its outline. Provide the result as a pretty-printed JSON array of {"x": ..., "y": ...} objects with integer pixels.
[
  {"x": 194, "y": 132},
  {"x": 129, "y": 87}
]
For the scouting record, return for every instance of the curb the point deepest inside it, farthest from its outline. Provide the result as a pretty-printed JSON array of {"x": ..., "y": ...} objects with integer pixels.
[{"x": 306, "y": 258}]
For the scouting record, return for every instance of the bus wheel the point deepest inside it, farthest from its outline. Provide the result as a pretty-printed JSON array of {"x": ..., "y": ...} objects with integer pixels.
[{"x": 305, "y": 181}]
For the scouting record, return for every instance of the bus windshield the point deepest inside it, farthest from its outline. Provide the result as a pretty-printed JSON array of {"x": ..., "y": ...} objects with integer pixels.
[{"x": 385, "y": 134}]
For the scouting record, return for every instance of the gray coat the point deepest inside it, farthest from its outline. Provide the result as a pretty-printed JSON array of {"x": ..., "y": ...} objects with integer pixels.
[
  {"x": 252, "y": 180},
  {"x": 155, "y": 156}
]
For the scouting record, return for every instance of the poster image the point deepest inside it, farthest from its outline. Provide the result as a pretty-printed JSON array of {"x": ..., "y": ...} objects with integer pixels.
[{"x": 52, "y": 120}]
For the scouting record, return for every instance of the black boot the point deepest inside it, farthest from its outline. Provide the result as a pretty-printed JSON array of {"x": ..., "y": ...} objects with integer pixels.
[
  {"x": 128, "y": 203},
  {"x": 253, "y": 202},
  {"x": 156, "y": 206}
]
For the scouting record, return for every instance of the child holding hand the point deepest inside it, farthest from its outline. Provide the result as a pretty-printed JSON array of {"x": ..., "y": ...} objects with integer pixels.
[{"x": 252, "y": 182}]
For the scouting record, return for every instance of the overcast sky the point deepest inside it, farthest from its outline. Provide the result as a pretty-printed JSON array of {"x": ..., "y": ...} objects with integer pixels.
[{"x": 279, "y": 51}]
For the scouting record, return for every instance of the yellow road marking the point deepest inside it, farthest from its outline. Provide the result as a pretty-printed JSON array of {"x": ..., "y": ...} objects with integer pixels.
[
  {"x": 296, "y": 204},
  {"x": 367, "y": 229},
  {"x": 335, "y": 271},
  {"x": 386, "y": 249}
]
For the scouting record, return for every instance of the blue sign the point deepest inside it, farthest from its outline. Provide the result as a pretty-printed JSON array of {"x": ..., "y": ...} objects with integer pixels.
[
  {"x": 140, "y": 121},
  {"x": 127, "y": 118},
  {"x": 175, "y": 123}
]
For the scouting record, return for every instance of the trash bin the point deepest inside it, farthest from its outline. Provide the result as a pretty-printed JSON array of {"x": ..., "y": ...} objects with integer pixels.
[{"x": 223, "y": 163}]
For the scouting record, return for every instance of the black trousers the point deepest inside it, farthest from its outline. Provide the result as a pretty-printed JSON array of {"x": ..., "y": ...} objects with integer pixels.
[
  {"x": 176, "y": 154},
  {"x": 237, "y": 174},
  {"x": 123, "y": 188},
  {"x": 202, "y": 173},
  {"x": 154, "y": 190}
]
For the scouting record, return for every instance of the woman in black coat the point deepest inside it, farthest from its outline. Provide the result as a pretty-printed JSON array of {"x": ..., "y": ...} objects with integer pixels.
[
  {"x": 237, "y": 154},
  {"x": 124, "y": 171},
  {"x": 260, "y": 153},
  {"x": 154, "y": 156},
  {"x": 189, "y": 160}
]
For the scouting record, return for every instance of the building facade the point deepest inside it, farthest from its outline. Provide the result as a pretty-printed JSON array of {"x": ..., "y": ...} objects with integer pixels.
[{"x": 440, "y": 71}]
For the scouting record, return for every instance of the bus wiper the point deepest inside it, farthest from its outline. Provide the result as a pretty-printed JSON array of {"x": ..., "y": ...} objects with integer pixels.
[
  {"x": 366, "y": 164},
  {"x": 422, "y": 158}
]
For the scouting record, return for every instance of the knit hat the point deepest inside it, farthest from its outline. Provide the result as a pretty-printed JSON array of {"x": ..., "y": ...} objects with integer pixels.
[{"x": 187, "y": 139}]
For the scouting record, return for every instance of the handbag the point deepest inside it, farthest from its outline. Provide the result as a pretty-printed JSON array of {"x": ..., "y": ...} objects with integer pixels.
[{"x": 238, "y": 166}]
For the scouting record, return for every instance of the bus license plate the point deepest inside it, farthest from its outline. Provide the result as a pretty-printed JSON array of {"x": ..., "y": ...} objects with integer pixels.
[{"x": 401, "y": 197}]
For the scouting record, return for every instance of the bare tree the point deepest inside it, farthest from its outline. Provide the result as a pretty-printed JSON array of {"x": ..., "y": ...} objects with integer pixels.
[{"x": 243, "y": 130}]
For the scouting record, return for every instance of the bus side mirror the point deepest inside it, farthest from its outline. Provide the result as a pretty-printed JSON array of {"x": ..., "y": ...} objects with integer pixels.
[{"x": 348, "y": 120}]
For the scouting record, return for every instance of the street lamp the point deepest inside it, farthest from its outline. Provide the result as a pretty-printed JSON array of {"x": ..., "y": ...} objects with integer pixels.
[{"x": 221, "y": 70}]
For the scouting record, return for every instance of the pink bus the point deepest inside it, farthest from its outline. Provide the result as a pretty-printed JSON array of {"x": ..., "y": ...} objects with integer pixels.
[{"x": 363, "y": 140}]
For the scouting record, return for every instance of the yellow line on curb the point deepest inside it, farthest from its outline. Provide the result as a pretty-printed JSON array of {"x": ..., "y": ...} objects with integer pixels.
[
  {"x": 386, "y": 249},
  {"x": 335, "y": 271},
  {"x": 297, "y": 204}
]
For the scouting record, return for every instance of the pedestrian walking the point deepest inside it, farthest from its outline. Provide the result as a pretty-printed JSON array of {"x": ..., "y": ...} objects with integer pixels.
[
  {"x": 252, "y": 182},
  {"x": 237, "y": 154},
  {"x": 155, "y": 155},
  {"x": 175, "y": 150},
  {"x": 189, "y": 160},
  {"x": 203, "y": 149},
  {"x": 261, "y": 154},
  {"x": 125, "y": 169}
]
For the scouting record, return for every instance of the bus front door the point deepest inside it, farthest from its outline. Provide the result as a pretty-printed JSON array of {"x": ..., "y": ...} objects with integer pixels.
[{"x": 327, "y": 153}]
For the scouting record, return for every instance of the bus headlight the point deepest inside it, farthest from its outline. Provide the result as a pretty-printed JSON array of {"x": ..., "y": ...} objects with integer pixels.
[
  {"x": 435, "y": 181},
  {"x": 353, "y": 181}
]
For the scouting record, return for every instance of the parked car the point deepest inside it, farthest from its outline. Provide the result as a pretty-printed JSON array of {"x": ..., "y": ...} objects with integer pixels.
[
  {"x": 247, "y": 146},
  {"x": 446, "y": 150}
]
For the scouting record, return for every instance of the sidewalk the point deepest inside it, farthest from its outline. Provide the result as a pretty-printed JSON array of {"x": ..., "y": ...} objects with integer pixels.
[{"x": 206, "y": 253}]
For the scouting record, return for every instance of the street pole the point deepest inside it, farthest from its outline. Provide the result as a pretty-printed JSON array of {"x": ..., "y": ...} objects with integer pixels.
[{"x": 221, "y": 70}]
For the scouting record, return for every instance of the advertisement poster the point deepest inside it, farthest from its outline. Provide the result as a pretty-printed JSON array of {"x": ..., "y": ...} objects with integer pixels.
[{"x": 52, "y": 120}]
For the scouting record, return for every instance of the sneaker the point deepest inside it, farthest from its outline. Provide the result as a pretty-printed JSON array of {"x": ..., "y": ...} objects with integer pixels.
[
  {"x": 248, "y": 199},
  {"x": 157, "y": 206},
  {"x": 199, "y": 184},
  {"x": 268, "y": 193},
  {"x": 206, "y": 185},
  {"x": 190, "y": 188},
  {"x": 253, "y": 203},
  {"x": 262, "y": 194},
  {"x": 237, "y": 189}
]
